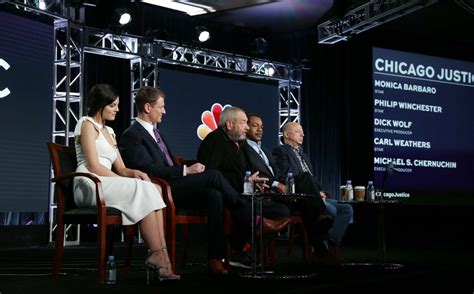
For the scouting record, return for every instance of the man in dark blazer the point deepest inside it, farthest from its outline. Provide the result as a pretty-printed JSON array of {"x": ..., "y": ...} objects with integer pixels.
[
  {"x": 259, "y": 159},
  {"x": 142, "y": 147},
  {"x": 290, "y": 157}
]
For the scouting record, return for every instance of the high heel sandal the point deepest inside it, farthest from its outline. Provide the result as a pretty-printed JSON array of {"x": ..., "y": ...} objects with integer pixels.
[{"x": 159, "y": 271}]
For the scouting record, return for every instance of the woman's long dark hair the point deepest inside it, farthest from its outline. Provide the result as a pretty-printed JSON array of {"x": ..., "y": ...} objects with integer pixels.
[{"x": 100, "y": 96}]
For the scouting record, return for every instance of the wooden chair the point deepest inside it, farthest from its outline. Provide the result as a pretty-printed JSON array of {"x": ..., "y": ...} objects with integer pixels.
[
  {"x": 185, "y": 217},
  {"x": 64, "y": 162},
  {"x": 297, "y": 224}
]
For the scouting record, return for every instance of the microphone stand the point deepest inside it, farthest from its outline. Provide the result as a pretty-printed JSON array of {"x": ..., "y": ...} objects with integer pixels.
[
  {"x": 387, "y": 173},
  {"x": 381, "y": 221}
]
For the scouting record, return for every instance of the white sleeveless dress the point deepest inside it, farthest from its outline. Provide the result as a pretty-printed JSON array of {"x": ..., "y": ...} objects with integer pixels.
[{"x": 135, "y": 198}]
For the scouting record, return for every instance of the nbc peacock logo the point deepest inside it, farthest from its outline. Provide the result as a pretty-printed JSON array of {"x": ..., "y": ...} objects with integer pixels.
[{"x": 210, "y": 120}]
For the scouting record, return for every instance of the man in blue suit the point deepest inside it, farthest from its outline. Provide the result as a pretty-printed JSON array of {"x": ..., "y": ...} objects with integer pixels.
[
  {"x": 143, "y": 147},
  {"x": 290, "y": 157}
]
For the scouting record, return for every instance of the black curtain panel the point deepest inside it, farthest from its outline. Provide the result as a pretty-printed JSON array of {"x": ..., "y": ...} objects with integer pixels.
[
  {"x": 336, "y": 114},
  {"x": 115, "y": 72}
]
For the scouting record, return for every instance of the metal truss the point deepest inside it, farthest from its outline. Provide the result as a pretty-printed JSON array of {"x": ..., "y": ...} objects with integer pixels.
[
  {"x": 365, "y": 17},
  {"x": 67, "y": 101},
  {"x": 146, "y": 56},
  {"x": 173, "y": 53},
  {"x": 289, "y": 103},
  {"x": 111, "y": 44}
]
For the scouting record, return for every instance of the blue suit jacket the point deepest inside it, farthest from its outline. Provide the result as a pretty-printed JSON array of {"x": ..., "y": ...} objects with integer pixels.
[{"x": 140, "y": 151}]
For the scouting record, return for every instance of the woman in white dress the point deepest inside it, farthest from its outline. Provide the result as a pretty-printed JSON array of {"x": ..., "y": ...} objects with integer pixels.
[{"x": 128, "y": 190}]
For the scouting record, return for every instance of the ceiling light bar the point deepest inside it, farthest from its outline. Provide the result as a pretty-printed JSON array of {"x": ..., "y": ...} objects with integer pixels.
[
  {"x": 367, "y": 16},
  {"x": 187, "y": 7}
]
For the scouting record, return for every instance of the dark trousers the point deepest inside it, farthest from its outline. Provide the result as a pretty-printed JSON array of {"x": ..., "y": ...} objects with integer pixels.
[
  {"x": 310, "y": 209},
  {"x": 211, "y": 191}
]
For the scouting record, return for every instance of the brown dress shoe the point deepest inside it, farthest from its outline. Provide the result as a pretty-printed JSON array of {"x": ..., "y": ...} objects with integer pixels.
[
  {"x": 272, "y": 226},
  {"x": 333, "y": 258},
  {"x": 216, "y": 267}
]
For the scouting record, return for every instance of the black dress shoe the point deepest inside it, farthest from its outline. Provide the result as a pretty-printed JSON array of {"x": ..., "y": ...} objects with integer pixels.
[
  {"x": 243, "y": 260},
  {"x": 216, "y": 267},
  {"x": 320, "y": 248},
  {"x": 324, "y": 223}
]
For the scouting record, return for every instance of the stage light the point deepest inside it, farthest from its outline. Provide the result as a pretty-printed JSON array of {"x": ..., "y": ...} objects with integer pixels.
[
  {"x": 189, "y": 7},
  {"x": 41, "y": 5},
  {"x": 122, "y": 16},
  {"x": 125, "y": 18},
  {"x": 270, "y": 71},
  {"x": 203, "y": 34}
]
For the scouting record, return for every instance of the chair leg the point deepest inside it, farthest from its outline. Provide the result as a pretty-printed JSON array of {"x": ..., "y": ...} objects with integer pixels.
[
  {"x": 59, "y": 249},
  {"x": 185, "y": 243},
  {"x": 270, "y": 252},
  {"x": 306, "y": 244},
  {"x": 227, "y": 233},
  {"x": 291, "y": 239},
  {"x": 101, "y": 239},
  {"x": 227, "y": 252},
  {"x": 129, "y": 233}
]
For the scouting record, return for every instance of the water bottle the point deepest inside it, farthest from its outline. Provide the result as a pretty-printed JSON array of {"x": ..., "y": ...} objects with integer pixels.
[
  {"x": 290, "y": 183},
  {"x": 248, "y": 184},
  {"x": 370, "y": 192},
  {"x": 110, "y": 271},
  {"x": 349, "y": 191}
]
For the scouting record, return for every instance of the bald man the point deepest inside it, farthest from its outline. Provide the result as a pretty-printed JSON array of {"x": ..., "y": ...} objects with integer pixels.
[{"x": 290, "y": 157}]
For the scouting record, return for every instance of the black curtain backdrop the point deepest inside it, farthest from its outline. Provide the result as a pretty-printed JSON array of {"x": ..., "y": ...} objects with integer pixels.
[
  {"x": 324, "y": 115},
  {"x": 115, "y": 72}
]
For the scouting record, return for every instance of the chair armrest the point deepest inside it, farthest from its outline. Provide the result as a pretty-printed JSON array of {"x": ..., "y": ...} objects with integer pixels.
[
  {"x": 70, "y": 176},
  {"x": 180, "y": 160},
  {"x": 166, "y": 191}
]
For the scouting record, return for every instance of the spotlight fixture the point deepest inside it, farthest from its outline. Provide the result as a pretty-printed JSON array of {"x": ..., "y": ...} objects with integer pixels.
[
  {"x": 203, "y": 34},
  {"x": 122, "y": 16},
  {"x": 41, "y": 5}
]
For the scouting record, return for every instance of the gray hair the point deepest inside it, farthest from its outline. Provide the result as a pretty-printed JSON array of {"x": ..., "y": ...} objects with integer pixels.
[
  {"x": 229, "y": 114},
  {"x": 287, "y": 126}
]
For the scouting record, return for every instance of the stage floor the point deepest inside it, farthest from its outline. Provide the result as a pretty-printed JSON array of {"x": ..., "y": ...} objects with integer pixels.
[{"x": 27, "y": 270}]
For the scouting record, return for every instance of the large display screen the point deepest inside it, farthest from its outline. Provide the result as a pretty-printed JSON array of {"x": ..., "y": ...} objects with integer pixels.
[
  {"x": 423, "y": 126},
  {"x": 26, "y": 79},
  {"x": 194, "y": 101}
]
